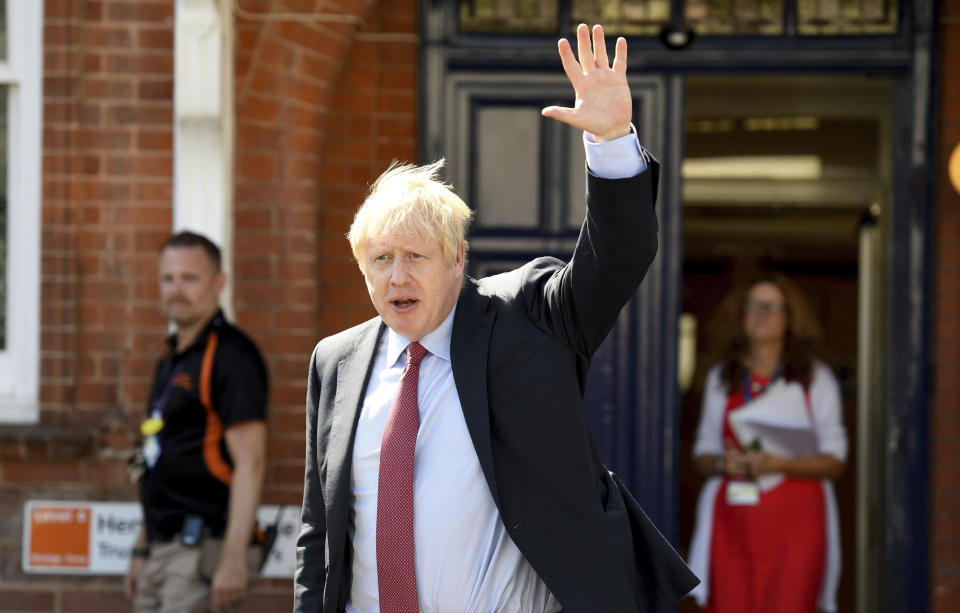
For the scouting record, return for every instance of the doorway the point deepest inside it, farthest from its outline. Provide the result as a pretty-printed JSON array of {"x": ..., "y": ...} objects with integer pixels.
[{"x": 792, "y": 174}]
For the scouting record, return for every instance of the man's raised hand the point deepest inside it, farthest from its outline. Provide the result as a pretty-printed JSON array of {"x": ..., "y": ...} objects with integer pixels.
[{"x": 603, "y": 106}]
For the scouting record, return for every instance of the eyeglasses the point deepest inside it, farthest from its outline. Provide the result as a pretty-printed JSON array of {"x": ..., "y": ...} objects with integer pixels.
[{"x": 767, "y": 308}]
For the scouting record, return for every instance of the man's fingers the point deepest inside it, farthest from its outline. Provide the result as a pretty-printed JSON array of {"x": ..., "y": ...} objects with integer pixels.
[
  {"x": 620, "y": 57},
  {"x": 571, "y": 117},
  {"x": 570, "y": 65},
  {"x": 225, "y": 597},
  {"x": 599, "y": 48},
  {"x": 223, "y": 602},
  {"x": 560, "y": 113},
  {"x": 221, "y": 599},
  {"x": 584, "y": 52}
]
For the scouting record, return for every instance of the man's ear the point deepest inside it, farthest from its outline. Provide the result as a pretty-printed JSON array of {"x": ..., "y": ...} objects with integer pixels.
[
  {"x": 461, "y": 257},
  {"x": 221, "y": 281}
]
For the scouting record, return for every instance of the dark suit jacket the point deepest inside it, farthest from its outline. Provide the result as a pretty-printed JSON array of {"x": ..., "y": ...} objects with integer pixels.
[{"x": 520, "y": 350}]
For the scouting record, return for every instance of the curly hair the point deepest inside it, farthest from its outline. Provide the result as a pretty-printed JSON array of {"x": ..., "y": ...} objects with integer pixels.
[{"x": 801, "y": 340}]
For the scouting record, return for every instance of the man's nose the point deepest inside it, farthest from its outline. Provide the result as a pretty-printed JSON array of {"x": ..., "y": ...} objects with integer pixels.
[
  {"x": 174, "y": 288},
  {"x": 398, "y": 272}
]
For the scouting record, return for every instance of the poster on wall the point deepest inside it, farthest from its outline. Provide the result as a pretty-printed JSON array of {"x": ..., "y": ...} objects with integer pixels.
[{"x": 95, "y": 538}]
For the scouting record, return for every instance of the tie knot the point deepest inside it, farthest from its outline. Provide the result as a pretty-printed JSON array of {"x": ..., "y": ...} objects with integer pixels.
[{"x": 415, "y": 353}]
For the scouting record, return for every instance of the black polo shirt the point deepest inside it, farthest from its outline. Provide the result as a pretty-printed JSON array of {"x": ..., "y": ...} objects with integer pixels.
[{"x": 217, "y": 382}]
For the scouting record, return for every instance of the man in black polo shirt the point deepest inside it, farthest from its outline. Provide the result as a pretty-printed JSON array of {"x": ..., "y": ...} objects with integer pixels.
[{"x": 204, "y": 449}]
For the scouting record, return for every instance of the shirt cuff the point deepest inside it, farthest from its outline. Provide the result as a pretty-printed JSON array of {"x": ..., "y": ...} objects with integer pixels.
[{"x": 615, "y": 159}]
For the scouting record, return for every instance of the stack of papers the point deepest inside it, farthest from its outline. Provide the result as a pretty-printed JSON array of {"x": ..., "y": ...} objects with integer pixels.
[{"x": 779, "y": 420}]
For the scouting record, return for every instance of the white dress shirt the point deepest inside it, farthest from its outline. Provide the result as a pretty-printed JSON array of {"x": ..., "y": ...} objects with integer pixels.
[{"x": 465, "y": 560}]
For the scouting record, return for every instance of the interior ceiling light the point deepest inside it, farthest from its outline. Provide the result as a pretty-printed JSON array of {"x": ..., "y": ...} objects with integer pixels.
[
  {"x": 676, "y": 37},
  {"x": 780, "y": 124},
  {"x": 707, "y": 125},
  {"x": 777, "y": 167}
]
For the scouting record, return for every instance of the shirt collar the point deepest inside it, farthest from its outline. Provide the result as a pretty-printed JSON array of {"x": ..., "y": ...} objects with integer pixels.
[
  {"x": 437, "y": 341},
  {"x": 215, "y": 322}
]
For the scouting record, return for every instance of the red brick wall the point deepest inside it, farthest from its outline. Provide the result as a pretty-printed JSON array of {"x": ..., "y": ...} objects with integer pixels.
[
  {"x": 107, "y": 164},
  {"x": 945, "y": 464},
  {"x": 321, "y": 109},
  {"x": 373, "y": 122},
  {"x": 107, "y": 172}
]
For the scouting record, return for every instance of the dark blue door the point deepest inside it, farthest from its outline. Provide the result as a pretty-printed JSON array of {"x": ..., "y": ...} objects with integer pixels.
[{"x": 524, "y": 177}]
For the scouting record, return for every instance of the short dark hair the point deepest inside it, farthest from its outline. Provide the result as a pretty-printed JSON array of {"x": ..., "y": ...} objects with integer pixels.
[{"x": 192, "y": 239}]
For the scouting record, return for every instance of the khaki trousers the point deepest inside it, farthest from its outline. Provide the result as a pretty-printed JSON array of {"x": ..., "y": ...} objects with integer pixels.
[
  {"x": 171, "y": 581},
  {"x": 176, "y": 578}
]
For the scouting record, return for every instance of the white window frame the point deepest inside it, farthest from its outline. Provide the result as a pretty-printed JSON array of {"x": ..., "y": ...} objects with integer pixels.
[
  {"x": 22, "y": 73},
  {"x": 203, "y": 126}
]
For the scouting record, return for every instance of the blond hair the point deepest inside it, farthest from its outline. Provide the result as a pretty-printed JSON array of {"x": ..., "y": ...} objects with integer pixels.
[{"x": 411, "y": 199}]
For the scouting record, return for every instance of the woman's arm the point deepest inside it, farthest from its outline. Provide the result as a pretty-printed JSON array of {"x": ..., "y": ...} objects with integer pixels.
[{"x": 821, "y": 466}]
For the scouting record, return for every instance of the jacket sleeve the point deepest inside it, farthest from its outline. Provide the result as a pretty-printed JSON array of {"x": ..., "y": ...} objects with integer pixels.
[
  {"x": 311, "y": 572},
  {"x": 578, "y": 303}
]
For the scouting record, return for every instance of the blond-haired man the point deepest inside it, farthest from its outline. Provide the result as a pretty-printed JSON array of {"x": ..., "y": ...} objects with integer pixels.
[{"x": 449, "y": 463}]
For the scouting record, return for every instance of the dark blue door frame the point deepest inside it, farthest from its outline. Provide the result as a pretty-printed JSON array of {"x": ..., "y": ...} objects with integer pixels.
[
  {"x": 907, "y": 529},
  {"x": 642, "y": 444}
]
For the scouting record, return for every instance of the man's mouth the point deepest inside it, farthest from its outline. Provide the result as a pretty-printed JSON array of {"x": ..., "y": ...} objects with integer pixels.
[{"x": 403, "y": 303}]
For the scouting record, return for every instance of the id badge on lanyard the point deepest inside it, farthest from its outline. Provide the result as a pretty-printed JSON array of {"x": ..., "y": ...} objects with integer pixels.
[
  {"x": 742, "y": 493},
  {"x": 746, "y": 492},
  {"x": 151, "y": 426}
]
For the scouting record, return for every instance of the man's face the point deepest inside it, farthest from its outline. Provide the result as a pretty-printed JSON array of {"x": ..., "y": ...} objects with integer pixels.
[
  {"x": 189, "y": 285},
  {"x": 410, "y": 282}
]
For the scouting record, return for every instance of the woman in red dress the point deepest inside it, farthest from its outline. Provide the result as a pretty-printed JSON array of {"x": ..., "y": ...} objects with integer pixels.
[{"x": 767, "y": 538}]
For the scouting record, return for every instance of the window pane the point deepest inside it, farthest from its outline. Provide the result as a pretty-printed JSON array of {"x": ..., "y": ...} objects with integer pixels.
[
  {"x": 507, "y": 138},
  {"x": 630, "y": 17},
  {"x": 576, "y": 178},
  {"x": 830, "y": 17},
  {"x": 514, "y": 16},
  {"x": 3, "y": 215},
  {"x": 714, "y": 17}
]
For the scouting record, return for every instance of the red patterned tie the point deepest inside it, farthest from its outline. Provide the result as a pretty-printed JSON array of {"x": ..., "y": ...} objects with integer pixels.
[{"x": 396, "y": 572}]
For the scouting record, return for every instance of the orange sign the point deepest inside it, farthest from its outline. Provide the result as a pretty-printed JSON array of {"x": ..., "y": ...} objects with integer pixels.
[
  {"x": 59, "y": 537},
  {"x": 76, "y": 537}
]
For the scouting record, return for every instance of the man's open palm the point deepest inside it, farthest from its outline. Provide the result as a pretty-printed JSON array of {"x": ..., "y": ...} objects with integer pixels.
[{"x": 603, "y": 106}]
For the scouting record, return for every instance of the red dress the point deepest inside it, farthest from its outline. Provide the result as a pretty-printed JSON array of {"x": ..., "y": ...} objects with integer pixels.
[{"x": 769, "y": 557}]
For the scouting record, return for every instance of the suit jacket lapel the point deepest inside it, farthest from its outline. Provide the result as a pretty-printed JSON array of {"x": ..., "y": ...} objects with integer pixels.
[
  {"x": 353, "y": 374},
  {"x": 469, "y": 344}
]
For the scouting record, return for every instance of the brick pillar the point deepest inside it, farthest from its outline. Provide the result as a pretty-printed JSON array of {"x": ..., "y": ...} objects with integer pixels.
[
  {"x": 322, "y": 109},
  {"x": 945, "y": 464},
  {"x": 373, "y": 121}
]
